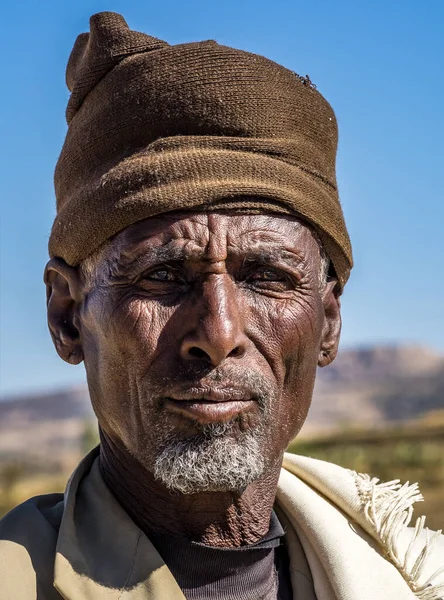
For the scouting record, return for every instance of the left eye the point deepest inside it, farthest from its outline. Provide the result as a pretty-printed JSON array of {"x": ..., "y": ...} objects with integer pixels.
[
  {"x": 267, "y": 275},
  {"x": 268, "y": 280}
]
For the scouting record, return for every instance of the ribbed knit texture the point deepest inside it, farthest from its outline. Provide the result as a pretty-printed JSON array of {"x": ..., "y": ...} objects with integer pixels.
[
  {"x": 203, "y": 572},
  {"x": 156, "y": 128}
]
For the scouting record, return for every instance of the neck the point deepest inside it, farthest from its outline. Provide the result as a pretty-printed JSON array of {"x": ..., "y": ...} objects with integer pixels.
[{"x": 220, "y": 519}]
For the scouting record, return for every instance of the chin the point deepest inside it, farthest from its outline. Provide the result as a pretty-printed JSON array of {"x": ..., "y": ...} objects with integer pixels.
[{"x": 219, "y": 458}]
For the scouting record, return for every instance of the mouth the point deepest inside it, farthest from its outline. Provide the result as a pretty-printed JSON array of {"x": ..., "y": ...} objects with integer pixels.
[{"x": 214, "y": 405}]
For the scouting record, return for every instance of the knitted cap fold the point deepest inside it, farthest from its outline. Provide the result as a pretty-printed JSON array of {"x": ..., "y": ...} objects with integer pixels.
[
  {"x": 97, "y": 52},
  {"x": 156, "y": 128}
]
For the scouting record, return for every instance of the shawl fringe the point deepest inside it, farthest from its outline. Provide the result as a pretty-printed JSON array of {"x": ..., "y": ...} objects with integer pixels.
[{"x": 388, "y": 509}]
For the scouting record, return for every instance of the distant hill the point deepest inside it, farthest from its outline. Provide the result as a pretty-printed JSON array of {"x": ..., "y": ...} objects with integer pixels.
[
  {"x": 381, "y": 364},
  {"x": 37, "y": 408},
  {"x": 377, "y": 386},
  {"x": 44, "y": 426},
  {"x": 374, "y": 386}
]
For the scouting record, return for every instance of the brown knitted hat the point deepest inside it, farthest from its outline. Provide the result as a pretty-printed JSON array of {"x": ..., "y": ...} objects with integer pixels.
[{"x": 156, "y": 128}]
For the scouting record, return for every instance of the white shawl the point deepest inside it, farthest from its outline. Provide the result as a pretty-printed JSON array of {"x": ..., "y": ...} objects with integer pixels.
[{"x": 355, "y": 535}]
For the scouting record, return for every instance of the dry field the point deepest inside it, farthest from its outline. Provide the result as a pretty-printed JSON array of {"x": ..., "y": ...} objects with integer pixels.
[{"x": 413, "y": 453}]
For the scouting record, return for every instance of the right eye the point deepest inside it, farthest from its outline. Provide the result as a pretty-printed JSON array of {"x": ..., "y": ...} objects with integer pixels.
[{"x": 161, "y": 275}]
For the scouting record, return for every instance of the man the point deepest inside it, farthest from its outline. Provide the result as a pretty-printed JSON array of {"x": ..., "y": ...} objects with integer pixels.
[{"x": 197, "y": 261}]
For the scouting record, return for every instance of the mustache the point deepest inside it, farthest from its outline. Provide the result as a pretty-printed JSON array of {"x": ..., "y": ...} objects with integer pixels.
[{"x": 233, "y": 381}]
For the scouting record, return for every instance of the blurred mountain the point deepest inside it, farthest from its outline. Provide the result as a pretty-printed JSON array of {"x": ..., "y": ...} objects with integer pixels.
[
  {"x": 366, "y": 387},
  {"x": 44, "y": 426},
  {"x": 381, "y": 364},
  {"x": 377, "y": 386},
  {"x": 38, "y": 408}
]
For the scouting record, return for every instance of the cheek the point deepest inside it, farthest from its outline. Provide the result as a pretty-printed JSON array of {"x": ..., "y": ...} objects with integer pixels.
[
  {"x": 288, "y": 331},
  {"x": 291, "y": 336},
  {"x": 124, "y": 328},
  {"x": 120, "y": 338}
]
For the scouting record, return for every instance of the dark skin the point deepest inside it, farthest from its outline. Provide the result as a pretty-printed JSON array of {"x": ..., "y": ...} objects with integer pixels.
[{"x": 182, "y": 302}]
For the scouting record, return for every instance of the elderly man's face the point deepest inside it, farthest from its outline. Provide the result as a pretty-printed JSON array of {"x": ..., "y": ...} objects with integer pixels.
[{"x": 201, "y": 334}]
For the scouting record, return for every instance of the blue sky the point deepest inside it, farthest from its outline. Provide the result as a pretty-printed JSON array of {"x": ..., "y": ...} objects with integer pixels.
[{"x": 378, "y": 63}]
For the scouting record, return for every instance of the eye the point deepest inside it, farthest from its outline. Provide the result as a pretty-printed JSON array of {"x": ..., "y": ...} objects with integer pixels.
[
  {"x": 161, "y": 275},
  {"x": 269, "y": 279},
  {"x": 266, "y": 275}
]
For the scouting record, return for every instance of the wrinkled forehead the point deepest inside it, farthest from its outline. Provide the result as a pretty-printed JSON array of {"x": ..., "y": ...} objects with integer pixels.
[{"x": 214, "y": 235}]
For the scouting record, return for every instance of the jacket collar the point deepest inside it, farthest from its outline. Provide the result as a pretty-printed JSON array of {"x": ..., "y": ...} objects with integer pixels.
[{"x": 101, "y": 553}]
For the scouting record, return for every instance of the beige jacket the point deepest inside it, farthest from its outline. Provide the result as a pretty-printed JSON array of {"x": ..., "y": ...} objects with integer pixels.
[{"x": 346, "y": 535}]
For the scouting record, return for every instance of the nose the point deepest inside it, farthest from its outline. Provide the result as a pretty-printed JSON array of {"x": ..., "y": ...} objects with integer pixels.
[{"x": 219, "y": 324}]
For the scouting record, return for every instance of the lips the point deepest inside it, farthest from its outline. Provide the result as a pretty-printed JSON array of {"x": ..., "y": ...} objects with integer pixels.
[
  {"x": 210, "y": 405},
  {"x": 211, "y": 394}
]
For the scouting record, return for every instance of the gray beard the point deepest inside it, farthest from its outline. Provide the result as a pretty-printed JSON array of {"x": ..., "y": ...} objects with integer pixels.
[
  {"x": 212, "y": 461},
  {"x": 220, "y": 457}
]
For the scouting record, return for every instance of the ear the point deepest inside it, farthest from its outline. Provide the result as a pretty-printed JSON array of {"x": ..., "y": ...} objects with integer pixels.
[
  {"x": 63, "y": 297},
  {"x": 332, "y": 323}
]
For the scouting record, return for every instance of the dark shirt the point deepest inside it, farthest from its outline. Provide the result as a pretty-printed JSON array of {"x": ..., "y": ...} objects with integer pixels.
[{"x": 259, "y": 571}]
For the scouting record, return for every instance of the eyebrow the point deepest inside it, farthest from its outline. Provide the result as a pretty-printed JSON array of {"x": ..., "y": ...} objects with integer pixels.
[
  {"x": 172, "y": 252},
  {"x": 167, "y": 253},
  {"x": 274, "y": 255},
  {"x": 130, "y": 260}
]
